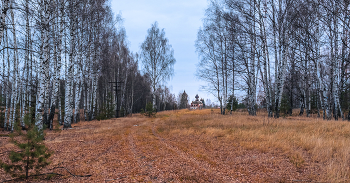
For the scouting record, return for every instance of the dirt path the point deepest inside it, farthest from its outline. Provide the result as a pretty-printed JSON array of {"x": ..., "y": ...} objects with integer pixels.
[
  {"x": 149, "y": 170},
  {"x": 205, "y": 167},
  {"x": 165, "y": 163}
]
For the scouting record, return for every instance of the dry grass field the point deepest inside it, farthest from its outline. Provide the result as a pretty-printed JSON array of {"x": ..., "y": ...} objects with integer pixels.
[{"x": 198, "y": 146}]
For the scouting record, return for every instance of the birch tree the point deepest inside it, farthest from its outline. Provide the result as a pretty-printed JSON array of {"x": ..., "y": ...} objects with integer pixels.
[
  {"x": 44, "y": 64},
  {"x": 157, "y": 57},
  {"x": 41, "y": 38},
  {"x": 69, "y": 80}
]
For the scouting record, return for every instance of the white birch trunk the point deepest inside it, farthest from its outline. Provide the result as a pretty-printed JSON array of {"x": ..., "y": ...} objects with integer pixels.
[
  {"x": 8, "y": 105},
  {"x": 266, "y": 64},
  {"x": 275, "y": 47},
  {"x": 233, "y": 79},
  {"x": 132, "y": 95},
  {"x": 88, "y": 91},
  {"x": 252, "y": 82},
  {"x": 44, "y": 65},
  {"x": 77, "y": 93},
  {"x": 69, "y": 82},
  {"x": 79, "y": 77},
  {"x": 56, "y": 81},
  {"x": 94, "y": 99},
  {"x": 124, "y": 89},
  {"x": 15, "y": 75},
  {"x": 4, "y": 84},
  {"x": 25, "y": 84},
  {"x": 281, "y": 75},
  {"x": 95, "y": 71},
  {"x": 89, "y": 67},
  {"x": 338, "y": 111},
  {"x": 22, "y": 100},
  {"x": 61, "y": 25},
  {"x": 94, "y": 87},
  {"x": 4, "y": 10},
  {"x": 59, "y": 116}
]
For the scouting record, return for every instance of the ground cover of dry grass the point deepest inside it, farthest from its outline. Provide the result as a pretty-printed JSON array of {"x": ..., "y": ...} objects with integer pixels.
[{"x": 199, "y": 146}]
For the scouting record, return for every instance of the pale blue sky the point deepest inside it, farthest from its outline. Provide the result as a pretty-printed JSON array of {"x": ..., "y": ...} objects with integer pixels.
[{"x": 181, "y": 20}]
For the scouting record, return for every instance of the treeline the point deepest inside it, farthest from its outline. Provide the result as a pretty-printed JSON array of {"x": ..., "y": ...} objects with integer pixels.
[
  {"x": 284, "y": 54},
  {"x": 65, "y": 56}
]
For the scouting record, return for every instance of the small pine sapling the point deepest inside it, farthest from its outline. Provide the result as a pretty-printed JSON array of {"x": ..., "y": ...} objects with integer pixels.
[
  {"x": 32, "y": 154},
  {"x": 2, "y": 119},
  {"x": 122, "y": 112},
  {"x": 229, "y": 103},
  {"x": 150, "y": 111},
  {"x": 285, "y": 105}
]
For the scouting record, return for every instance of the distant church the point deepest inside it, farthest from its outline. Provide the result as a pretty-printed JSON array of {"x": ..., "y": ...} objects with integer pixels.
[{"x": 197, "y": 104}]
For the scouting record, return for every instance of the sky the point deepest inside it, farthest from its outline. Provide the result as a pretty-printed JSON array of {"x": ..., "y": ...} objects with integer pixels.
[{"x": 181, "y": 20}]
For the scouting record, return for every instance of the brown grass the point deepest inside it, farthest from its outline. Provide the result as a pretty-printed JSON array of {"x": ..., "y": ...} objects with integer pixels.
[
  {"x": 200, "y": 146},
  {"x": 306, "y": 142}
]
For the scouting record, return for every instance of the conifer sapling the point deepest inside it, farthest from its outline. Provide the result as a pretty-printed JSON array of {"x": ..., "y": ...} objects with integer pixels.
[{"x": 32, "y": 154}]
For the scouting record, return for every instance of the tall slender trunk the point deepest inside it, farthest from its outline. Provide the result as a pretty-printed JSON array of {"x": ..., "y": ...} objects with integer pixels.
[
  {"x": 251, "y": 65},
  {"x": 123, "y": 91},
  {"x": 57, "y": 57},
  {"x": 88, "y": 90},
  {"x": 78, "y": 78},
  {"x": 89, "y": 78},
  {"x": 44, "y": 64},
  {"x": 30, "y": 75},
  {"x": 4, "y": 10},
  {"x": 306, "y": 88},
  {"x": 132, "y": 94},
  {"x": 59, "y": 116},
  {"x": 275, "y": 45},
  {"x": 233, "y": 78},
  {"x": 69, "y": 80},
  {"x": 266, "y": 65},
  {"x": 281, "y": 74},
  {"x": 345, "y": 42},
  {"x": 337, "y": 107},
  {"x": 94, "y": 88},
  {"x": 335, "y": 65},
  {"x": 15, "y": 75},
  {"x": 4, "y": 85},
  {"x": 218, "y": 85},
  {"x": 225, "y": 73},
  {"x": 26, "y": 84},
  {"x": 8, "y": 106},
  {"x": 95, "y": 69}
]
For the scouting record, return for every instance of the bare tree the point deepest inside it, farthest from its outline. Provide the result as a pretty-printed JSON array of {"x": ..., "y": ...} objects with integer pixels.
[{"x": 157, "y": 57}]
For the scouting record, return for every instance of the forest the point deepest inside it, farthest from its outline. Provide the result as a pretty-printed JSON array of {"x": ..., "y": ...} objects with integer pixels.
[
  {"x": 283, "y": 54},
  {"x": 71, "y": 58},
  {"x": 77, "y": 105}
]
